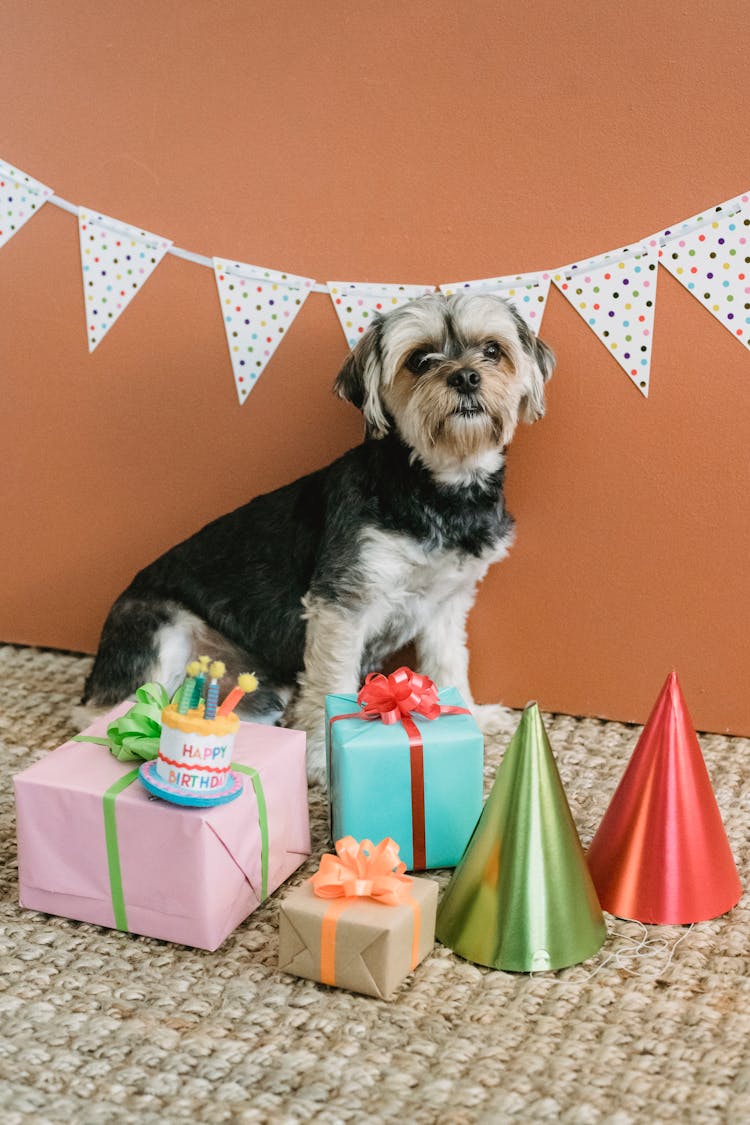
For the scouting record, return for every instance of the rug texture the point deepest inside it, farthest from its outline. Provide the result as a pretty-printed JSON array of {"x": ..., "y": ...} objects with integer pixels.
[{"x": 98, "y": 1026}]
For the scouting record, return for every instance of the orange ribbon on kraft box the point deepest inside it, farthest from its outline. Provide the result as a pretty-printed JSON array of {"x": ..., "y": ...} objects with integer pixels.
[
  {"x": 372, "y": 947},
  {"x": 360, "y": 871}
]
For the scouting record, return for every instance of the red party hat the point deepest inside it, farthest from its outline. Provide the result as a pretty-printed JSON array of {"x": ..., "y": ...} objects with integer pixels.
[{"x": 661, "y": 853}]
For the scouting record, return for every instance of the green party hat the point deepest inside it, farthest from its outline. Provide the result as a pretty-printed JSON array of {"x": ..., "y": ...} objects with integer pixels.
[{"x": 522, "y": 898}]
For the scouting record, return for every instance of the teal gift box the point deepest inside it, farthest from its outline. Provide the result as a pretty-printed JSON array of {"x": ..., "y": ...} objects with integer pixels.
[{"x": 382, "y": 782}]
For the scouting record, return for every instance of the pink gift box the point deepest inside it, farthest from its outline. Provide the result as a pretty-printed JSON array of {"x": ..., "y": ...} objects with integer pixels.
[{"x": 189, "y": 875}]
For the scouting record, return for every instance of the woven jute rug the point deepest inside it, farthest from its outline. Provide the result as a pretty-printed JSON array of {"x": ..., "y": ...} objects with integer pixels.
[{"x": 99, "y": 1026}]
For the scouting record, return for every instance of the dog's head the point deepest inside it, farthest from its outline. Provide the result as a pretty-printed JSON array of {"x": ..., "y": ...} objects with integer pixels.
[{"x": 453, "y": 375}]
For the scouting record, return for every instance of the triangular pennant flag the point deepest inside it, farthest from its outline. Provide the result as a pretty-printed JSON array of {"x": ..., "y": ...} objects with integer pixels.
[
  {"x": 116, "y": 259},
  {"x": 258, "y": 306},
  {"x": 522, "y": 898},
  {"x": 21, "y": 198},
  {"x": 358, "y": 302},
  {"x": 616, "y": 296},
  {"x": 702, "y": 219},
  {"x": 661, "y": 853},
  {"x": 713, "y": 263},
  {"x": 527, "y": 292}
]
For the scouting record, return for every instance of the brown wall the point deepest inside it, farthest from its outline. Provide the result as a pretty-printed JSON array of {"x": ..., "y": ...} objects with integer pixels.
[{"x": 395, "y": 142}]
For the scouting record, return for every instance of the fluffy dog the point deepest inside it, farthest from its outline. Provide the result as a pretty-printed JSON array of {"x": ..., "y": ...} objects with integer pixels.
[{"x": 317, "y": 583}]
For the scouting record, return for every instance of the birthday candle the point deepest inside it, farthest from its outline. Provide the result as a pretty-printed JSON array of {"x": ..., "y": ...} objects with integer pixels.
[
  {"x": 200, "y": 680},
  {"x": 188, "y": 688},
  {"x": 216, "y": 671},
  {"x": 245, "y": 683}
]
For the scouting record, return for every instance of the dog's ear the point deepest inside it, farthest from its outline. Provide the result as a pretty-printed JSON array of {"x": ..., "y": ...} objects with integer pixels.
[
  {"x": 542, "y": 364},
  {"x": 359, "y": 379}
]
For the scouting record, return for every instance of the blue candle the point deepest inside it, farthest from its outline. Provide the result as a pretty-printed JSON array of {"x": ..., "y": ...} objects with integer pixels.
[{"x": 216, "y": 670}]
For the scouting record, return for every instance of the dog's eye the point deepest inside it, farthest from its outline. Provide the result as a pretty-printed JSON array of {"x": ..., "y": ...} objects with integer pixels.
[
  {"x": 418, "y": 361},
  {"x": 492, "y": 350}
]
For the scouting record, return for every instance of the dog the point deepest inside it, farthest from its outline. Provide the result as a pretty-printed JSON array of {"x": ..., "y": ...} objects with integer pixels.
[{"x": 317, "y": 583}]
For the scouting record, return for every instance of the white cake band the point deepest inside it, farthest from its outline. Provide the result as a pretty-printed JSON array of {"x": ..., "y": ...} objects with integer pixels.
[{"x": 194, "y": 762}]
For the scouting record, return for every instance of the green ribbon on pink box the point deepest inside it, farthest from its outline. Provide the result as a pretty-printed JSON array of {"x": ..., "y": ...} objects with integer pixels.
[{"x": 134, "y": 736}]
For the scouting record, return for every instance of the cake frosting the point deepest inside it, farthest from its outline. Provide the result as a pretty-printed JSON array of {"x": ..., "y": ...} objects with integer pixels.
[{"x": 195, "y": 753}]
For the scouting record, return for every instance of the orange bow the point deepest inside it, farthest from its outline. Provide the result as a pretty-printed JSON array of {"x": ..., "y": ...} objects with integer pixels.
[
  {"x": 392, "y": 698},
  {"x": 363, "y": 870}
]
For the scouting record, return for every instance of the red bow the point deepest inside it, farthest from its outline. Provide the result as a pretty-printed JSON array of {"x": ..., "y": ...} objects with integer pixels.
[
  {"x": 363, "y": 870},
  {"x": 393, "y": 698}
]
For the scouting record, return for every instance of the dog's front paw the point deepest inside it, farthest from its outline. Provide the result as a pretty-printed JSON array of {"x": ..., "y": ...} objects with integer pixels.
[
  {"x": 494, "y": 719},
  {"x": 316, "y": 759}
]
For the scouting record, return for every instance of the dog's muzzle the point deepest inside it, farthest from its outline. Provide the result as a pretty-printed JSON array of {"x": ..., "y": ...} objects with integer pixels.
[{"x": 466, "y": 382}]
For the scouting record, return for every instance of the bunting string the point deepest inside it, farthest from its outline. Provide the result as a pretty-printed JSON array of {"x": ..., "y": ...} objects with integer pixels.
[
  {"x": 178, "y": 251},
  {"x": 614, "y": 292}
]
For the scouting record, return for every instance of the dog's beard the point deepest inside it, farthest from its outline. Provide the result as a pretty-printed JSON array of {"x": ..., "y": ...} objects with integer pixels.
[
  {"x": 468, "y": 434},
  {"x": 435, "y": 418}
]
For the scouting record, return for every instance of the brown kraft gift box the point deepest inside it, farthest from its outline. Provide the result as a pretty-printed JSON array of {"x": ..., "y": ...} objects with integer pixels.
[{"x": 356, "y": 943}]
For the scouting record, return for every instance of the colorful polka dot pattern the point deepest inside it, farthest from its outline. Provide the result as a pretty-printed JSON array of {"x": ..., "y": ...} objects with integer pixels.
[
  {"x": 616, "y": 296},
  {"x": 116, "y": 260},
  {"x": 528, "y": 297},
  {"x": 258, "y": 307},
  {"x": 713, "y": 263},
  {"x": 21, "y": 198},
  {"x": 358, "y": 303},
  {"x": 703, "y": 218}
]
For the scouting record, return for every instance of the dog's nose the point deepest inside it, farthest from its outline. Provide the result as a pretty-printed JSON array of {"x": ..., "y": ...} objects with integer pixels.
[{"x": 466, "y": 379}]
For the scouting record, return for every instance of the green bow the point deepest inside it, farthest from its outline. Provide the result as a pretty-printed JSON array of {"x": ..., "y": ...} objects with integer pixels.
[{"x": 135, "y": 735}]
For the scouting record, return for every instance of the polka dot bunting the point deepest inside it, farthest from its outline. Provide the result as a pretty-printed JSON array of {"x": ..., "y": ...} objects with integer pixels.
[
  {"x": 713, "y": 263},
  {"x": 527, "y": 292},
  {"x": 116, "y": 260},
  {"x": 357, "y": 303},
  {"x": 615, "y": 293},
  {"x": 21, "y": 197},
  {"x": 258, "y": 307},
  {"x": 616, "y": 296}
]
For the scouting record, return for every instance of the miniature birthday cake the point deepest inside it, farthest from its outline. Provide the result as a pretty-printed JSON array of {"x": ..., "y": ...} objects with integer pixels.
[
  {"x": 193, "y": 766},
  {"x": 195, "y": 752}
]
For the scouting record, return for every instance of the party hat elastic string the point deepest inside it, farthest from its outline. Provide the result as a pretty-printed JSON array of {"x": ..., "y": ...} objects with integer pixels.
[{"x": 643, "y": 948}]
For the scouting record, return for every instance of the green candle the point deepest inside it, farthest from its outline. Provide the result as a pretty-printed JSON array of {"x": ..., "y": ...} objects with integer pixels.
[{"x": 188, "y": 688}]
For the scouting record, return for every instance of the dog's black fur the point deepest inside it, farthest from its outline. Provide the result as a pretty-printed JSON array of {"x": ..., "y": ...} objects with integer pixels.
[{"x": 246, "y": 573}]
